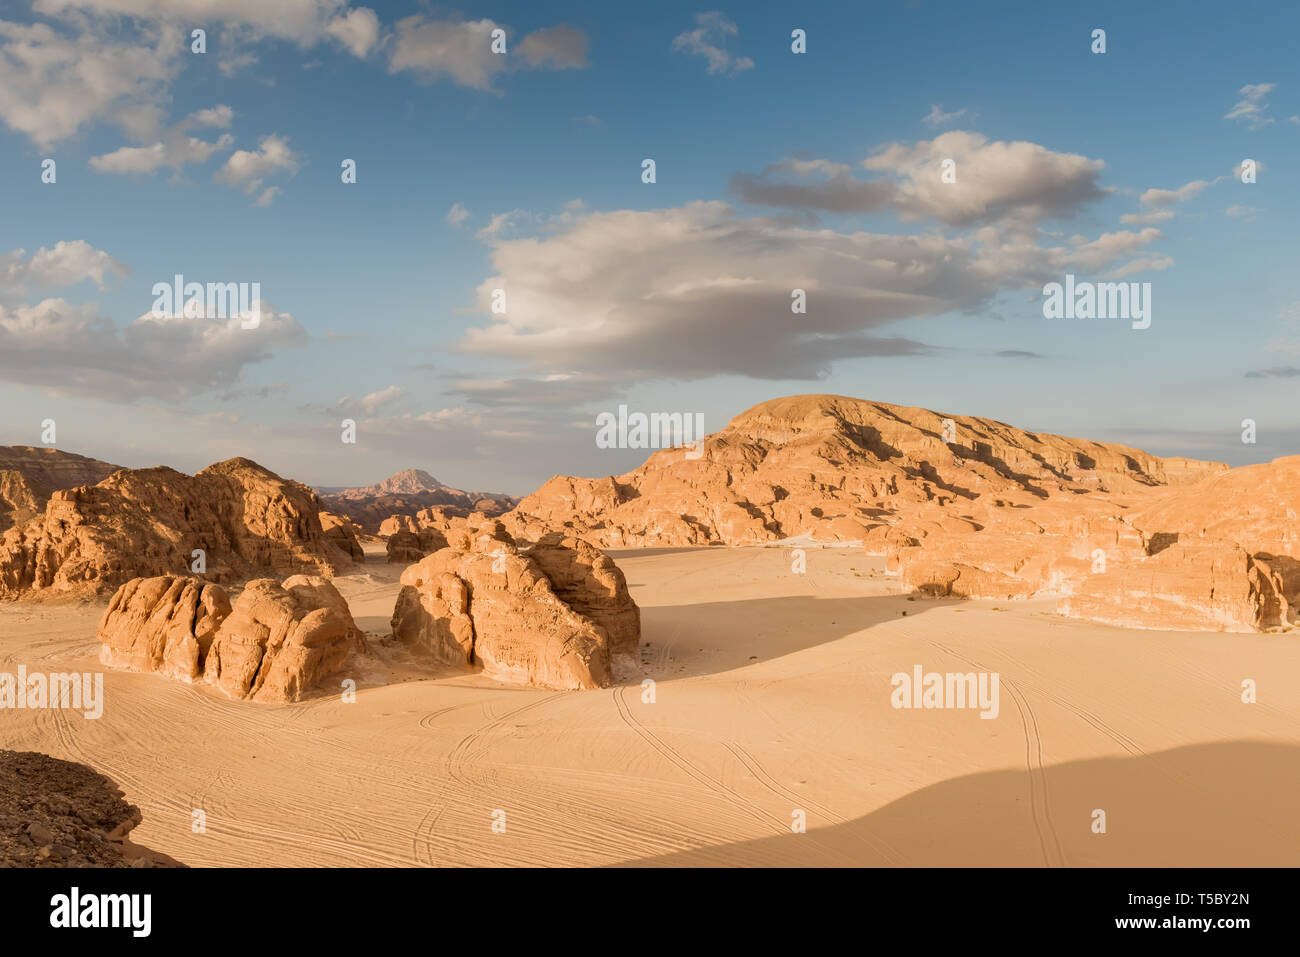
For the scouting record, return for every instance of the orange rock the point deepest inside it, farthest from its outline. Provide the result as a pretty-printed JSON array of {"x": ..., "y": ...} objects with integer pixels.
[
  {"x": 1206, "y": 585},
  {"x": 273, "y": 645},
  {"x": 556, "y": 615},
  {"x": 148, "y": 522}
]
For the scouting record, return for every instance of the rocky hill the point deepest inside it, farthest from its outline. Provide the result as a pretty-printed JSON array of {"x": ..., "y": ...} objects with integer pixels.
[
  {"x": 28, "y": 475},
  {"x": 968, "y": 507},
  {"x": 840, "y": 469},
  {"x": 246, "y": 520},
  {"x": 406, "y": 493},
  {"x": 53, "y": 468}
]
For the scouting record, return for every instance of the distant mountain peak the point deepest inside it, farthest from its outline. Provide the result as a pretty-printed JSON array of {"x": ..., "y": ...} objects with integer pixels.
[{"x": 406, "y": 482}]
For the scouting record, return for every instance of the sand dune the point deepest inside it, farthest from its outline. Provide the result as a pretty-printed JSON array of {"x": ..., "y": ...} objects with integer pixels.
[{"x": 772, "y": 694}]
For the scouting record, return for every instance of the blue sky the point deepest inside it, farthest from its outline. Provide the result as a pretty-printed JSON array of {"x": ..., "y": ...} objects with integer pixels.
[{"x": 672, "y": 296}]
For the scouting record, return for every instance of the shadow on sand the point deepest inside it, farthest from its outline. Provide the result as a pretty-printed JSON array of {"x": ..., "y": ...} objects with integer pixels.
[
  {"x": 714, "y": 637},
  {"x": 1227, "y": 804}
]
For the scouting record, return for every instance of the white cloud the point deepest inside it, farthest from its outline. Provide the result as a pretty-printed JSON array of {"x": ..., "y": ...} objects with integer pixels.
[
  {"x": 233, "y": 64},
  {"x": 52, "y": 83},
  {"x": 69, "y": 349},
  {"x": 1162, "y": 198},
  {"x": 502, "y": 223},
  {"x": 358, "y": 30},
  {"x": 556, "y": 48},
  {"x": 301, "y": 21},
  {"x": 1145, "y": 219},
  {"x": 1157, "y": 205},
  {"x": 1251, "y": 108},
  {"x": 1237, "y": 211},
  {"x": 66, "y": 264},
  {"x": 176, "y": 148},
  {"x": 1143, "y": 264},
  {"x": 994, "y": 180},
  {"x": 697, "y": 291},
  {"x": 246, "y": 169},
  {"x": 708, "y": 39},
  {"x": 219, "y": 116},
  {"x": 461, "y": 50},
  {"x": 937, "y": 117},
  {"x": 377, "y": 400},
  {"x": 457, "y": 214}
]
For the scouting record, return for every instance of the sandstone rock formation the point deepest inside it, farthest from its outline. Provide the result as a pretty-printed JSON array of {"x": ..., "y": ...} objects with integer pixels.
[
  {"x": 1209, "y": 585},
  {"x": 281, "y": 639},
  {"x": 968, "y": 507},
  {"x": 834, "y": 468},
  {"x": 407, "y": 493},
  {"x": 342, "y": 533},
  {"x": 21, "y": 499},
  {"x": 53, "y": 468},
  {"x": 553, "y": 615},
  {"x": 29, "y": 475},
  {"x": 164, "y": 624},
  {"x": 408, "y": 539},
  {"x": 246, "y": 520},
  {"x": 1255, "y": 506},
  {"x": 273, "y": 645}
]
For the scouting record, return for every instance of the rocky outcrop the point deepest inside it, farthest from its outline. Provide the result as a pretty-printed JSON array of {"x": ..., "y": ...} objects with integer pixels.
[
  {"x": 407, "y": 493},
  {"x": 21, "y": 499},
  {"x": 966, "y": 507},
  {"x": 53, "y": 468},
  {"x": 588, "y": 581},
  {"x": 1207, "y": 585},
  {"x": 272, "y": 645},
  {"x": 280, "y": 639},
  {"x": 1255, "y": 506},
  {"x": 484, "y": 602},
  {"x": 407, "y": 539},
  {"x": 831, "y": 469},
  {"x": 342, "y": 534},
  {"x": 57, "y": 813},
  {"x": 244, "y": 519},
  {"x": 164, "y": 624}
]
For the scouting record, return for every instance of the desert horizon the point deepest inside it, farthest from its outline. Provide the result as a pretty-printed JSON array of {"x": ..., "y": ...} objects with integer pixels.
[
  {"x": 589, "y": 437},
  {"x": 462, "y": 644}
]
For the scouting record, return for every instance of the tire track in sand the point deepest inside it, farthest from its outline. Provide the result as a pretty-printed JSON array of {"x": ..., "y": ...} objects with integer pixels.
[
  {"x": 454, "y": 767},
  {"x": 675, "y": 757},
  {"x": 878, "y": 845},
  {"x": 1038, "y": 800}
]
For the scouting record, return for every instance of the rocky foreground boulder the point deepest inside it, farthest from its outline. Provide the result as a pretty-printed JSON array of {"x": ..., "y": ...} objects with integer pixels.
[
  {"x": 273, "y": 644},
  {"x": 244, "y": 520},
  {"x": 552, "y": 614},
  {"x": 57, "y": 813}
]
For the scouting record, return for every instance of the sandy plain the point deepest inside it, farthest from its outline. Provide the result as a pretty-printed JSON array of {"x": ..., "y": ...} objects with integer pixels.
[{"x": 772, "y": 695}]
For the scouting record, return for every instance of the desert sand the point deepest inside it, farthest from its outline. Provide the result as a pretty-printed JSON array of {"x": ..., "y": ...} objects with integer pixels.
[{"x": 772, "y": 695}]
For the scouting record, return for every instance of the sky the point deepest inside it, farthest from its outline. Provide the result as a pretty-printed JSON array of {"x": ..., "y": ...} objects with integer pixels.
[{"x": 522, "y": 171}]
